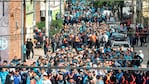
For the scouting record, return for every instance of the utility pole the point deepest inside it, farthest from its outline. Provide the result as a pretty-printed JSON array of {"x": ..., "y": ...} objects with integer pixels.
[
  {"x": 24, "y": 15},
  {"x": 34, "y": 17},
  {"x": 140, "y": 10},
  {"x": 142, "y": 19},
  {"x": 132, "y": 4},
  {"x": 60, "y": 8},
  {"x": 22, "y": 30},
  {"x": 47, "y": 17},
  {"x": 3, "y": 8}
]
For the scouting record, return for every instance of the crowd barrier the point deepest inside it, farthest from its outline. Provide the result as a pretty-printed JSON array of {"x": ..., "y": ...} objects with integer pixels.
[{"x": 97, "y": 68}]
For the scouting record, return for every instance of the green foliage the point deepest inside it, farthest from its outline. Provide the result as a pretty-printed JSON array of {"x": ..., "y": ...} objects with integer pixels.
[
  {"x": 145, "y": 20},
  {"x": 41, "y": 25},
  {"x": 100, "y": 3},
  {"x": 56, "y": 26},
  {"x": 57, "y": 23}
]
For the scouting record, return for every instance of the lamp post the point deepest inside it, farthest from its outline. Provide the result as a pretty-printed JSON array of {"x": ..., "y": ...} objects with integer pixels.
[
  {"x": 24, "y": 19},
  {"x": 47, "y": 17},
  {"x": 34, "y": 17},
  {"x": 3, "y": 8},
  {"x": 60, "y": 8},
  {"x": 0, "y": 50},
  {"x": 148, "y": 52},
  {"x": 23, "y": 27},
  {"x": 22, "y": 31}
]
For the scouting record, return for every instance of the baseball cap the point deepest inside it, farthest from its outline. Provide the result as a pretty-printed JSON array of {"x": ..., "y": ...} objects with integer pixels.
[{"x": 45, "y": 74}]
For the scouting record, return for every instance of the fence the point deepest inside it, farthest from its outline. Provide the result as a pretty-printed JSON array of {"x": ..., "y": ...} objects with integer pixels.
[{"x": 97, "y": 68}]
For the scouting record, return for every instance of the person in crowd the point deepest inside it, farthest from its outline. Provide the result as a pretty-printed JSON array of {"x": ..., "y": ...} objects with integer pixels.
[
  {"x": 15, "y": 61},
  {"x": 136, "y": 38},
  {"x": 27, "y": 50},
  {"x": 24, "y": 74},
  {"x": 3, "y": 75},
  {"x": 45, "y": 79},
  {"x": 46, "y": 46},
  {"x": 24, "y": 51},
  {"x": 99, "y": 80},
  {"x": 104, "y": 39},
  {"x": 141, "y": 34},
  {"x": 29, "y": 47},
  {"x": 17, "y": 77},
  {"x": 9, "y": 78},
  {"x": 141, "y": 54},
  {"x": 147, "y": 63}
]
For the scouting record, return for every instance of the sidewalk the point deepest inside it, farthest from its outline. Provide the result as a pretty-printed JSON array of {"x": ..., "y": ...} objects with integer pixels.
[{"x": 37, "y": 52}]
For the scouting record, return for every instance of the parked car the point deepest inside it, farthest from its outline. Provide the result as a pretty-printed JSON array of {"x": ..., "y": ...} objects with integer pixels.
[
  {"x": 118, "y": 37},
  {"x": 118, "y": 44}
]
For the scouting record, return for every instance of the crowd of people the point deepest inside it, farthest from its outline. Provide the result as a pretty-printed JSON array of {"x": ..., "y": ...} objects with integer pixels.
[{"x": 84, "y": 41}]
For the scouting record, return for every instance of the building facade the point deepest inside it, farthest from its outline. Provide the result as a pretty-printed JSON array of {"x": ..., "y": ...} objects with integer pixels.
[{"x": 11, "y": 25}]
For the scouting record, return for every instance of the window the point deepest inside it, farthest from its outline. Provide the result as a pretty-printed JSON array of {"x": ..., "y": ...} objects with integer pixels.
[
  {"x": 119, "y": 45},
  {"x": 43, "y": 13},
  {"x": 125, "y": 45}
]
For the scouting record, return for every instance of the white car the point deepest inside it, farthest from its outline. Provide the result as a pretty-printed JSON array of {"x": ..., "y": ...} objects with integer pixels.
[{"x": 118, "y": 44}]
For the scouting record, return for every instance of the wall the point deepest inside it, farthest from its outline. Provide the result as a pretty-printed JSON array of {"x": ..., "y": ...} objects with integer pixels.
[
  {"x": 14, "y": 16},
  {"x": 37, "y": 12},
  {"x": 4, "y": 38},
  {"x": 10, "y": 26}
]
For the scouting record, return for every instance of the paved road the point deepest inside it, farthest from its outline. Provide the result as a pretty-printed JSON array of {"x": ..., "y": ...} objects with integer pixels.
[{"x": 37, "y": 53}]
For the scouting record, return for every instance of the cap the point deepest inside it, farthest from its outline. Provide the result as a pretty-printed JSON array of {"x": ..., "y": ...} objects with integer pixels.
[
  {"x": 45, "y": 74},
  {"x": 140, "y": 51},
  {"x": 81, "y": 70}
]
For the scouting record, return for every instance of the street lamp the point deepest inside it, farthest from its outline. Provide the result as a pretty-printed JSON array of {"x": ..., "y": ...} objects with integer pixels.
[
  {"x": 23, "y": 14},
  {"x": 3, "y": 8},
  {"x": 47, "y": 17},
  {"x": 60, "y": 8}
]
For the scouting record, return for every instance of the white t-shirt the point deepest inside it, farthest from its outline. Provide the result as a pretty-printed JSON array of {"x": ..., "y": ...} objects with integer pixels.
[
  {"x": 46, "y": 82},
  {"x": 141, "y": 55},
  {"x": 105, "y": 38}
]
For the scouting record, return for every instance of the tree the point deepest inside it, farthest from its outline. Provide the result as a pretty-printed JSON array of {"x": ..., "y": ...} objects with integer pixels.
[
  {"x": 40, "y": 25},
  {"x": 56, "y": 26}
]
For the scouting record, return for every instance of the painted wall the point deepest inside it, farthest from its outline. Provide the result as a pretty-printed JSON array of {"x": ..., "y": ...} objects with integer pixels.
[
  {"x": 4, "y": 31},
  {"x": 14, "y": 25}
]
